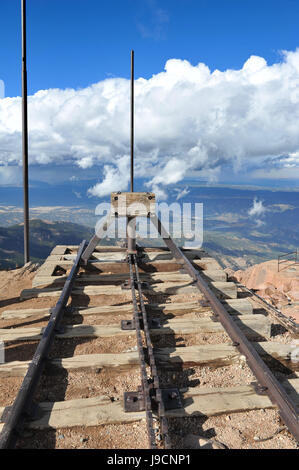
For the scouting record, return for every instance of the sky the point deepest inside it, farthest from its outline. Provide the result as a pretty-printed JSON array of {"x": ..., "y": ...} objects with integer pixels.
[{"x": 216, "y": 92}]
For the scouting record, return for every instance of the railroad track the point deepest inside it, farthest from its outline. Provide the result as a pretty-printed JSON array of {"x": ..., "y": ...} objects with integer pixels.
[{"x": 179, "y": 362}]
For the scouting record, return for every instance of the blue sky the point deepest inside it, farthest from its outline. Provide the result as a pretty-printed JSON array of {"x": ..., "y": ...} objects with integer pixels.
[
  {"x": 74, "y": 43},
  {"x": 244, "y": 132}
]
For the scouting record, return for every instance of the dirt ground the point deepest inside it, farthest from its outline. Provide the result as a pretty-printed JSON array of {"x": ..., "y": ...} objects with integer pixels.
[{"x": 261, "y": 429}]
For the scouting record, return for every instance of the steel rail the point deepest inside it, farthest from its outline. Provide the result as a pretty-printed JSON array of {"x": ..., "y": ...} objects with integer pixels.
[
  {"x": 287, "y": 322},
  {"x": 23, "y": 405},
  {"x": 100, "y": 231},
  {"x": 277, "y": 394},
  {"x": 144, "y": 378},
  {"x": 157, "y": 393},
  {"x": 281, "y": 261}
]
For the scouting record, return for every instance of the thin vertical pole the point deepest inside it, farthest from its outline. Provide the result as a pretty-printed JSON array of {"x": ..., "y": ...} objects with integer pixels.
[
  {"x": 132, "y": 121},
  {"x": 25, "y": 134},
  {"x": 131, "y": 221}
]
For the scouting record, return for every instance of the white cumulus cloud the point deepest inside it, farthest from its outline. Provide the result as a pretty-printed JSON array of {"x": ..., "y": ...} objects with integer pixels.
[
  {"x": 257, "y": 208},
  {"x": 257, "y": 211},
  {"x": 114, "y": 178},
  {"x": 188, "y": 119},
  {"x": 181, "y": 193}
]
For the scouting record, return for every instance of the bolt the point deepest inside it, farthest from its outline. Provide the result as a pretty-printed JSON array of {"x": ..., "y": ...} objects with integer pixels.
[{"x": 133, "y": 398}]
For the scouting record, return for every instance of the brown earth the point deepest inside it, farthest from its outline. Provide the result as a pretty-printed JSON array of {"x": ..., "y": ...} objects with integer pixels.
[
  {"x": 278, "y": 287},
  {"x": 253, "y": 429}
]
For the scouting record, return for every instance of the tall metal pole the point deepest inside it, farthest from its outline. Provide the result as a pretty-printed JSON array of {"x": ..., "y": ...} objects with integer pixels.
[
  {"x": 132, "y": 121},
  {"x": 25, "y": 134},
  {"x": 131, "y": 221}
]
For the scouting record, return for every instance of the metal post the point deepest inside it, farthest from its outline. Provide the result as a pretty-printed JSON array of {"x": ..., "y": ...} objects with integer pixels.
[
  {"x": 132, "y": 121},
  {"x": 25, "y": 135},
  {"x": 131, "y": 235},
  {"x": 131, "y": 221}
]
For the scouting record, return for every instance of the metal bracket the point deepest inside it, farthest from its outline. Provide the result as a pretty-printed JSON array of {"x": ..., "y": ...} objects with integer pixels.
[
  {"x": 182, "y": 271},
  {"x": 215, "y": 318},
  {"x": 171, "y": 398},
  {"x": 34, "y": 412},
  {"x": 140, "y": 253},
  {"x": 145, "y": 285},
  {"x": 126, "y": 285},
  {"x": 60, "y": 329},
  {"x": 154, "y": 323},
  {"x": 69, "y": 310},
  {"x": 204, "y": 303},
  {"x": 127, "y": 325},
  {"x": 259, "y": 389},
  {"x": 19, "y": 428},
  {"x": 5, "y": 414},
  {"x": 133, "y": 401}
]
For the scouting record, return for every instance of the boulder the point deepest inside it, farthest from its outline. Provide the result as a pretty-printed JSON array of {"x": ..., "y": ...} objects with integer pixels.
[{"x": 265, "y": 278}]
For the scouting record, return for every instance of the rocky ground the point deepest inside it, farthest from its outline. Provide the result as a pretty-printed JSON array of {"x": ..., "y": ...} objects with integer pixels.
[
  {"x": 259, "y": 429},
  {"x": 278, "y": 287}
]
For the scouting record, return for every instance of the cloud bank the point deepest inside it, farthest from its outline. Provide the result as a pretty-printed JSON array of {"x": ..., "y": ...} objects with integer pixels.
[{"x": 187, "y": 119}]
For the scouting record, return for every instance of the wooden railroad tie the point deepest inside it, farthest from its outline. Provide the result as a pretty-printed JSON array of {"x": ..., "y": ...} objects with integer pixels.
[{"x": 197, "y": 401}]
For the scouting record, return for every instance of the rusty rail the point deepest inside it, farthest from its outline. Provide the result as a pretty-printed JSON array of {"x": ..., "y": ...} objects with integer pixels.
[
  {"x": 287, "y": 322},
  {"x": 23, "y": 407},
  {"x": 144, "y": 399},
  {"x": 153, "y": 398},
  {"x": 269, "y": 384},
  {"x": 295, "y": 259},
  {"x": 150, "y": 396}
]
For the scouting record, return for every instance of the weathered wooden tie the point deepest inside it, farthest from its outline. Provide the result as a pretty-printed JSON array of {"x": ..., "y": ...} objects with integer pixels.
[
  {"x": 87, "y": 279},
  {"x": 212, "y": 355},
  {"x": 221, "y": 289},
  {"x": 252, "y": 325},
  {"x": 233, "y": 306},
  {"x": 197, "y": 401}
]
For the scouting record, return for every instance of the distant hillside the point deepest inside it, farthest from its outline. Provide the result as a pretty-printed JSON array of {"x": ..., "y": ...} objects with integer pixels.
[
  {"x": 236, "y": 247},
  {"x": 44, "y": 235},
  {"x": 239, "y": 251}
]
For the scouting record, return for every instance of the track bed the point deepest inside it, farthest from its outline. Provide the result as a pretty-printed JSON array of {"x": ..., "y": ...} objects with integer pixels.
[{"x": 92, "y": 361}]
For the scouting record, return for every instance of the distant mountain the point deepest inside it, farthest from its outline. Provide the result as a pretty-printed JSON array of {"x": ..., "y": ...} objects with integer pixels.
[
  {"x": 233, "y": 249},
  {"x": 44, "y": 236},
  {"x": 241, "y": 227}
]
